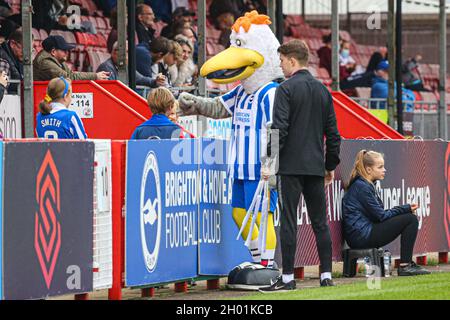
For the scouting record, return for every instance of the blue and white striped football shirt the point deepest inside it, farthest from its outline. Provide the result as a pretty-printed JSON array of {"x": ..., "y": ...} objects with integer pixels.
[
  {"x": 251, "y": 114},
  {"x": 61, "y": 123}
]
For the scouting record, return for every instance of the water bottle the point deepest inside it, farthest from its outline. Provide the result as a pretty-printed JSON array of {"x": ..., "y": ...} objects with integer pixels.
[
  {"x": 387, "y": 263},
  {"x": 368, "y": 266}
]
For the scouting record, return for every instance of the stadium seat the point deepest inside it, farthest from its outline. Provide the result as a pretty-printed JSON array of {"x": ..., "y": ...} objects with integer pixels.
[
  {"x": 294, "y": 20},
  {"x": 101, "y": 25},
  {"x": 36, "y": 34},
  {"x": 44, "y": 34},
  {"x": 363, "y": 92},
  {"x": 322, "y": 73},
  {"x": 430, "y": 101}
]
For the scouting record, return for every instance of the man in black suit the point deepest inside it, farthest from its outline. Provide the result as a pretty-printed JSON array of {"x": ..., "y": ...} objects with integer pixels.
[{"x": 303, "y": 116}]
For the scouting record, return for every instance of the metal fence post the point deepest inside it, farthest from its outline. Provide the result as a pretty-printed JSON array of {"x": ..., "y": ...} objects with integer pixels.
[
  {"x": 27, "y": 10},
  {"x": 443, "y": 132}
]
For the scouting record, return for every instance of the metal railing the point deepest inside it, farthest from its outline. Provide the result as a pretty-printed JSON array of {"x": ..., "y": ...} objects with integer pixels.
[
  {"x": 425, "y": 116},
  {"x": 144, "y": 91}
]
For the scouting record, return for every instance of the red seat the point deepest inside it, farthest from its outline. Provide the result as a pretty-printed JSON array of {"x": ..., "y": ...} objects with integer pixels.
[
  {"x": 44, "y": 34},
  {"x": 81, "y": 39},
  {"x": 101, "y": 24},
  {"x": 294, "y": 19}
]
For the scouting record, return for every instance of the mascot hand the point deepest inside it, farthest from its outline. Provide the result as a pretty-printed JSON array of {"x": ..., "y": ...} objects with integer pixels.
[
  {"x": 208, "y": 107},
  {"x": 189, "y": 104}
]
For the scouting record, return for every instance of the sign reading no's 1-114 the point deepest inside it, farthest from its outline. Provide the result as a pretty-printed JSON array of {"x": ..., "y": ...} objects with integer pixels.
[{"x": 83, "y": 104}]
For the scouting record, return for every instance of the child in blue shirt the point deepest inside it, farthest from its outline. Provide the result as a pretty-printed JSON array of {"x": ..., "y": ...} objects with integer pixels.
[
  {"x": 163, "y": 105},
  {"x": 55, "y": 120}
]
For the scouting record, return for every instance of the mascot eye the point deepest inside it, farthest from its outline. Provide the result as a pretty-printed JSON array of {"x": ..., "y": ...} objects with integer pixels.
[{"x": 238, "y": 42}]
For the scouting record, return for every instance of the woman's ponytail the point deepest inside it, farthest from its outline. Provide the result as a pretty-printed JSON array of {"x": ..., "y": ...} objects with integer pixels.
[
  {"x": 44, "y": 105},
  {"x": 364, "y": 158}
]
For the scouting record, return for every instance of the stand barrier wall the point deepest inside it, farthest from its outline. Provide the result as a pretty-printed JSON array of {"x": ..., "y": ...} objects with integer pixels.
[
  {"x": 47, "y": 218},
  {"x": 417, "y": 172},
  {"x": 103, "y": 243}
]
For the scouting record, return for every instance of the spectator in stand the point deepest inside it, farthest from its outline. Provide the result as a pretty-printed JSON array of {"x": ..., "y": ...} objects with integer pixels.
[
  {"x": 365, "y": 79},
  {"x": 376, "y": 58},
  {"x": 7, "y": 27},
  {"x": 324, "y": 53},
  {"x": 161, "y": 67},
  {"x": 46, "y": 13},
  {"x": 165, "y": 9},
  {"x": 5, "y": 9},
  {"x": 180, "y": 14},
  {"x": 111, "y": 66},
  {"x": 223, "y": 14},
  {"x": 250, "y": 5},
  {"x": 380, "y": 89},
  {"x": 113, "y": 36},
  {"x": 11, "y": 53},
  {"x": 145, "y": 23},
  {"x": 182, "y": 73},
  {"x": 3, "y": 84},
  {"x": 380, "y": 85},
  {"x": 107, "y": 6},
  {"x": 346, "y": 62},
  {"x": 162, "y": 103},
  {"x": 149, "y": 54},
  {"x": 54, "y": 120},
  {"x": 50, "y": 62},
  {"x": 189, "y": 33},
  {"x": 411, "y": 75}
]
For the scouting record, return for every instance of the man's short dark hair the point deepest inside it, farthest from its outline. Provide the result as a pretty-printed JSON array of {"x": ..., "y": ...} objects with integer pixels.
[
  {"x": 297, "y": 49},
  {"x": 140, "y": 8},
  {"x": 160, "y": 44},
  {"x": 16, "y": 36}
]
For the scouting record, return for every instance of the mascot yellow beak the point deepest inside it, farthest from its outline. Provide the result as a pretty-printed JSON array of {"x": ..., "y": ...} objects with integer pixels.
[{"x": 231, "y": 65}]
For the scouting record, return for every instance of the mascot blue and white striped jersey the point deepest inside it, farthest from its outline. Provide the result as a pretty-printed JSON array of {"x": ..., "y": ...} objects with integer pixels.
[
  {"x": 251, "y": 115},
  {"x": 60, "y": 123}
]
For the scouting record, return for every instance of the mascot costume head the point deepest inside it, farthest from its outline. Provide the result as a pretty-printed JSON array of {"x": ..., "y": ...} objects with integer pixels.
[{"x": 251, "y": 58}]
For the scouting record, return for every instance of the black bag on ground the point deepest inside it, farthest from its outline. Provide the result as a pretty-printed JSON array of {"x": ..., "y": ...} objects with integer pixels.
[{"x": 251, "y": 276}]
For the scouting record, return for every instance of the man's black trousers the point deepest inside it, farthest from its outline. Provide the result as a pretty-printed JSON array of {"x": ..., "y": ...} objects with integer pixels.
[{"x": 290, "y": 187}]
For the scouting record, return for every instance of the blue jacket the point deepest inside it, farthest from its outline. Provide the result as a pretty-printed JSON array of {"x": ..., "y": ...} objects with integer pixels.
[
  {"x": 144, "y": 60},
  {"x": 380, "y": 88},
  {"x": 361, "y": 208},
  {"x": 160, "y": 126}
]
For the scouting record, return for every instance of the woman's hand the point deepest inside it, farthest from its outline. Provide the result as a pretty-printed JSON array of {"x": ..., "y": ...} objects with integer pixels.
[{"x": 414, "y": 207}]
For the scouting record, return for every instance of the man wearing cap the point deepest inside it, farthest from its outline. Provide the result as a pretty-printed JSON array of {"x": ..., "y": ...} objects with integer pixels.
[
  {"x": 50, "y": 62},
  {"x": 380, "y": 85},
  {"x": 380, "y": 89}
]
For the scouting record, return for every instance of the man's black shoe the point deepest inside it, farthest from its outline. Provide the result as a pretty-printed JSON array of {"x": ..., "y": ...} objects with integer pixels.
[
  {"x": 327, "y": 283},
  {"x": 279, "y": 286},
  {"x": 411, "y": 269}
]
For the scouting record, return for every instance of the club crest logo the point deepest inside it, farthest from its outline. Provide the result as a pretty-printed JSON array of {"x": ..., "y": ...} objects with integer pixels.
[{"x": 150, "y": 211}]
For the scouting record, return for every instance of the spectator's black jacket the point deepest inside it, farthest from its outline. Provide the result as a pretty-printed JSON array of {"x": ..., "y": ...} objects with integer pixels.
[{"x": 304, "y": 115}]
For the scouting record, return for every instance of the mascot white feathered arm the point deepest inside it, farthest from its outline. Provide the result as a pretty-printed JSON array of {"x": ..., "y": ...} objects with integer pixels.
[{"x": 252, "y": 58}]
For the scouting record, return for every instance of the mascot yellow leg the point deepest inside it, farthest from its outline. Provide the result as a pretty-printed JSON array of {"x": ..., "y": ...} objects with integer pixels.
[
  {"x": 267, "y": 257},
  {"x": 238, "y": 217}
]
